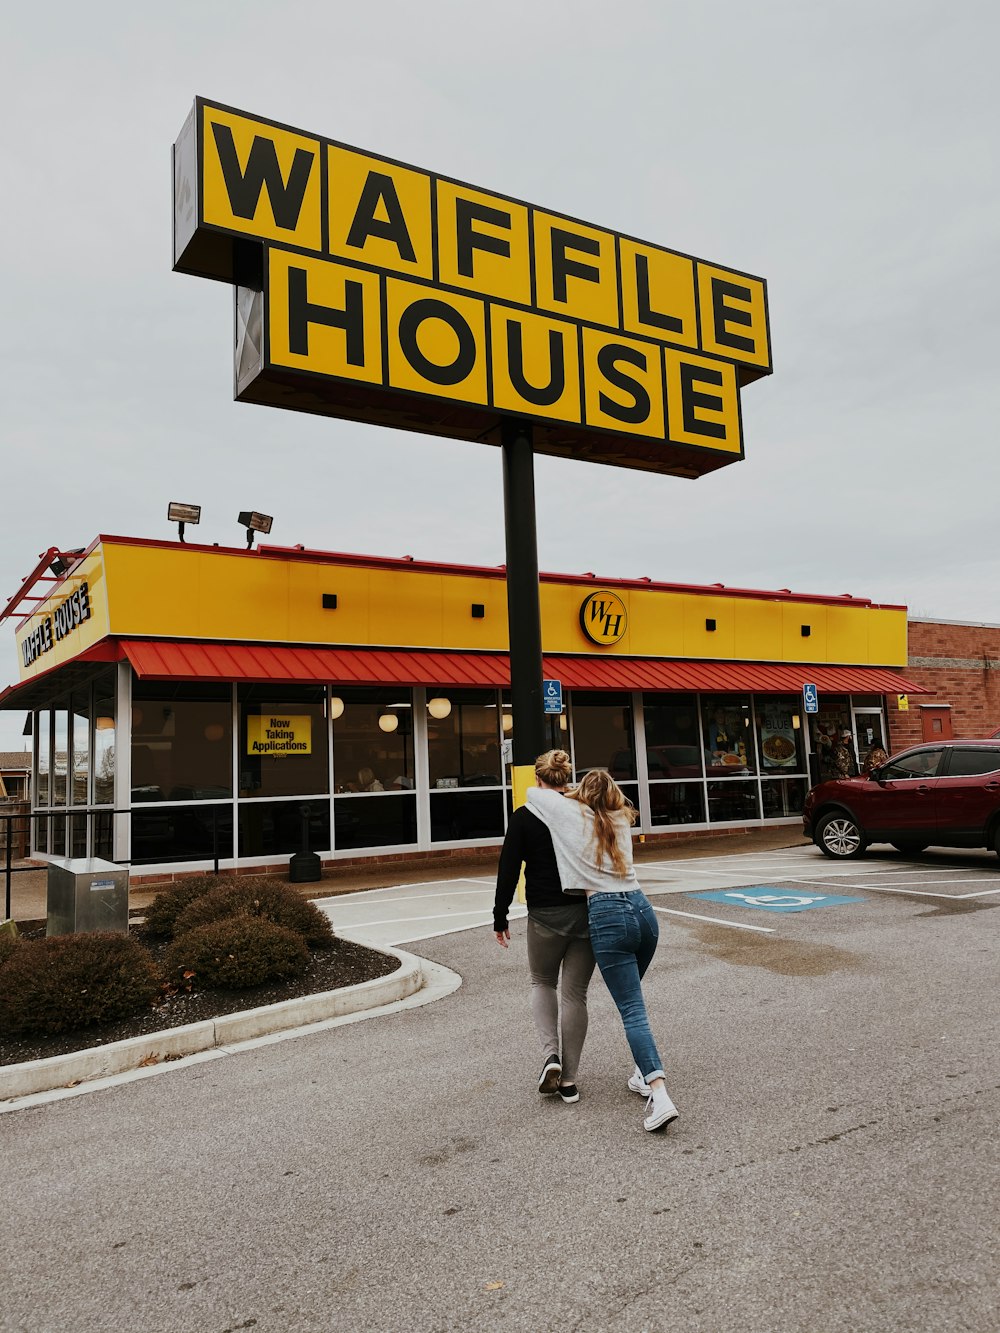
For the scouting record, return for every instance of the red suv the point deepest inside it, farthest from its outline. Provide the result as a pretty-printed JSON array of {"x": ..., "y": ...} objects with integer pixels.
[{"x": 941, "y": 795}]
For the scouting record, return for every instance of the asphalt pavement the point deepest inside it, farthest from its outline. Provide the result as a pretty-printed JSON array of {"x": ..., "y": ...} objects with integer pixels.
[{"x": 830, "y": 1034}]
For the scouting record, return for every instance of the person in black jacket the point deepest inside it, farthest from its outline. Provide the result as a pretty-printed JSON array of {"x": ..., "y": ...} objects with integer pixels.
[{"x": 558, "y": 936}]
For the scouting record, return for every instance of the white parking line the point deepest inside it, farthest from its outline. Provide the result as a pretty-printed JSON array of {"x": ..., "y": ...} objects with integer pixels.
[{"x": 713, "y": 920}]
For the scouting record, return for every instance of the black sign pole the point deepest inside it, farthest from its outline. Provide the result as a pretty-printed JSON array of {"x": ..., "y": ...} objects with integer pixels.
[{"x": 523, "y": 613}]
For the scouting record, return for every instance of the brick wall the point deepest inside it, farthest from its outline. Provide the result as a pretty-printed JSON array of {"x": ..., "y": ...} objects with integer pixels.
[{"x": 960, "y": 666}]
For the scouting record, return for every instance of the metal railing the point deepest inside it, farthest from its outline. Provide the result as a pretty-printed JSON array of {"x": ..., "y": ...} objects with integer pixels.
[{"x": 15, "y": 833}]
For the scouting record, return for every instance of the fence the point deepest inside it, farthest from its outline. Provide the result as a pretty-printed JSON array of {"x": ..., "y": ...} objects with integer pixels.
[{"x": 15, "y": 839}]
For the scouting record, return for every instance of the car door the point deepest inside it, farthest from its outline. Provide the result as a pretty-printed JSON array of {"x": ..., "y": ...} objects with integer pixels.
[
  {"x": 898, "y": 802},
  {"x": 968, "y": 793}
]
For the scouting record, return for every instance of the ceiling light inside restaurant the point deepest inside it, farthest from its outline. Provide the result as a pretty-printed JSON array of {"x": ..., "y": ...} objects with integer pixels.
[
  {"x": 388, "y": 721},
  {"x": 336, "y": 707},
  {"x": 105, "y": 723},
  {"x": 439, "y": 707},
  {"x": 214, "y": 731},
  {"x": 508, "y": 721}
]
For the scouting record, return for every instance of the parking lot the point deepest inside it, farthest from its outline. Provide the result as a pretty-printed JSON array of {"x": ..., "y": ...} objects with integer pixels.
[
  {"x": 749, "y": 892},
  {"x": 830, "y": 1035}
]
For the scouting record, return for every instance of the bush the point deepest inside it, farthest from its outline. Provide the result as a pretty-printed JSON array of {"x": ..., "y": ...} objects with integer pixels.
[
  {"x": 74, "y": 981},
  {"x": 236, "y": 952},
  {"x": 167, "y": 906},
  {"x": 276, "y": 903},
  {"x": 8, "y": 943}
]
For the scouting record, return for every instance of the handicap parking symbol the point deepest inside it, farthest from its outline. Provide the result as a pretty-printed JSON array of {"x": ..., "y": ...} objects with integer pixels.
[{"x": 769, "y": 899}]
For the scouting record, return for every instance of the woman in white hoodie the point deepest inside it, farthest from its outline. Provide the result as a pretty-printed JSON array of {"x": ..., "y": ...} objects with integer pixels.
[{"x": 591, "y": 835}]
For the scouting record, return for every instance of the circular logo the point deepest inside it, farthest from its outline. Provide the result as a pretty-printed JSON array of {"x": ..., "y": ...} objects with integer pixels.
[{"x": 603, "y": 618}]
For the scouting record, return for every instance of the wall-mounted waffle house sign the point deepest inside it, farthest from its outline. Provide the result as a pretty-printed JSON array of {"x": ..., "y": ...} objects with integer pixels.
[{"x": 379, "y": 292}]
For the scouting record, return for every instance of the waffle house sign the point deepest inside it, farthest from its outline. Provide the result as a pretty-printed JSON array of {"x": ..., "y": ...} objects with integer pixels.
[{"x": 380, "y": 292}]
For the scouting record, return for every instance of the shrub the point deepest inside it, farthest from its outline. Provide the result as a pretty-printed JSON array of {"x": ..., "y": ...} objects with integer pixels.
[
  {"x": 167, "y": 906},
  {"x": 75, "y": 981},
  {"x": 236, "y": 952},
  {"x": 276, "y": 903},
  {"x": 8, "y": 943}
]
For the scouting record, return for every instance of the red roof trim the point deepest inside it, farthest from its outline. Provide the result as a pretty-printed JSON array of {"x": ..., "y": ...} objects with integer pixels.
[{"x": 173, "y": 660}]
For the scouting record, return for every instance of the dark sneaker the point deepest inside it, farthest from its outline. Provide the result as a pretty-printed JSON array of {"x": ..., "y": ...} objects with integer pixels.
[
  {"x": 548, "y": 1081},
  {"x": 569, "y": 1092}
]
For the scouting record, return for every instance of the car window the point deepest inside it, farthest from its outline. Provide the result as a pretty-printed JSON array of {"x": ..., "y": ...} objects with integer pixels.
[
  {"x": 970, "y": 763},
  {"x": 923, "y": 764}
]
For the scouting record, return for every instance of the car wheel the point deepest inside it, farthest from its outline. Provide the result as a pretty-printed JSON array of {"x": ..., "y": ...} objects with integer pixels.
[
  {"x": 910, "y": 848},
  {"x": 839, "y": 835}
]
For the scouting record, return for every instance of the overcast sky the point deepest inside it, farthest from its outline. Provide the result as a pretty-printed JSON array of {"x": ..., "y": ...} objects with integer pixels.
[{"x": 847, "y": 152}]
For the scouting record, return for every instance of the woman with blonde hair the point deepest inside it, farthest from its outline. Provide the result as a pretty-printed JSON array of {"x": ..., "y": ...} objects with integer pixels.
[
  {"x": 560, "y": 959},
  {"x": 591, "y": 834}
]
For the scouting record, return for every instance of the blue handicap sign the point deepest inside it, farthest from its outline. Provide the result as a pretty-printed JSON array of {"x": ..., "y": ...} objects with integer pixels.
[
  {"x": 810, "y": 698},
  {"x": 552, "y": 696},
  {"x": 769, "y": 899}
]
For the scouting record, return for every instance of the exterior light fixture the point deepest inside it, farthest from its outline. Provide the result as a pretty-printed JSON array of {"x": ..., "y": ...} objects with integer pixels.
[
  {"x": 388, "y": 721},
  {"x": 336, "y": 707},
  {"x": 254, "y": 522},
  {"x": 439, "y": 707},
  {"x": 181, "y": 514}
]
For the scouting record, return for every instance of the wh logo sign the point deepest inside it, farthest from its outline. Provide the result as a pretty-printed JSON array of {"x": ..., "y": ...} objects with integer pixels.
[{"x": 604, "y": 618}]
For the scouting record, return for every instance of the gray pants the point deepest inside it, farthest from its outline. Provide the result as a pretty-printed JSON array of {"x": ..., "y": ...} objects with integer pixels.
[{"x": 547, "y": 951}]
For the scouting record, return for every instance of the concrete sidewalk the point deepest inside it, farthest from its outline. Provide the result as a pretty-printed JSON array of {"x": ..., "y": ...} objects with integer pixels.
[{"x": 28, "y": 889}]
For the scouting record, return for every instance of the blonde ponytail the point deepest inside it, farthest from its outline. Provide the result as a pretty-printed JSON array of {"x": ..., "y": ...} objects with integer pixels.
[{"x": 600, "y": 793}]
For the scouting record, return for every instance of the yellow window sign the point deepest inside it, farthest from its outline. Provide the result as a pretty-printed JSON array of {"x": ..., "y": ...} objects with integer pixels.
[
  {"x": 604, "y": 618},
  {"x": 279, "y": 734},
  {"x": 395, "y": 296}
]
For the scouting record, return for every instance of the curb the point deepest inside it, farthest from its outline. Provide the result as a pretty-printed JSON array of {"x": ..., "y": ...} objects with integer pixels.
[{"x": 60, "y": 1071}]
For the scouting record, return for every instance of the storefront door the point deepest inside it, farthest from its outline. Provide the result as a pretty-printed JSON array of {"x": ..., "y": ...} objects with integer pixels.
[{"x": 869, "y": 730}]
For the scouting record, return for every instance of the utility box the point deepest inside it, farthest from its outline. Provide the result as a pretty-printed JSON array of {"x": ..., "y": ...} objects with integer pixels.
[{"x": 86, "y": 894}]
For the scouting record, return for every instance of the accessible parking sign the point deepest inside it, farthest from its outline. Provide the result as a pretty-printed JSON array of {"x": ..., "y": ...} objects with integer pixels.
[{"x": 769, "y": 899}]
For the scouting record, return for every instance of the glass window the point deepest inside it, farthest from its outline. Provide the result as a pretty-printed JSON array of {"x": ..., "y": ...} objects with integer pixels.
[
  {"x": 673, "y": 747},
  {"x": 783, "y": 799},
  {"x": 43, "y": 757},
  {"x": 60, "y": 756},
  {"x": 921, "y": 764},
  {"x": 81, "y": 747},
  {"x": 729, "y": 802},
  {"x": 182, "y": 833},
  {"x": 77, "y": 834},
  {"x": 390, "y": 821},
  {"x": 463, "y": 738},
  {"x": 284, "y": 746},
  {"x": 729, "y": 746},
  {"x": 280, "y": 828},
  {"x": 182, "y": 740},
  {"x": 827, "y": 727},
  {"x": 677, "y": 802},
  {"x": 780, "y": 736},
  {"x": 459, "y": 815},
  {"x": 602, "y": 734},
  {"x": 104, "y": 739},
  {"x": 556, "y": 733},
  {"x": 971, "y": 763},
  {"x": 103, "y": 839},
  {"x": 372, "y": 740}
]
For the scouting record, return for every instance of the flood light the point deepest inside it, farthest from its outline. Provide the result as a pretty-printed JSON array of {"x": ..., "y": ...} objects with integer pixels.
[{"x": 181, "y": 514}]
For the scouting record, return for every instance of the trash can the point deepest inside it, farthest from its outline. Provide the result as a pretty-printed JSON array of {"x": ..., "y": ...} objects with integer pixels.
[{"x": 86, "y": 894}]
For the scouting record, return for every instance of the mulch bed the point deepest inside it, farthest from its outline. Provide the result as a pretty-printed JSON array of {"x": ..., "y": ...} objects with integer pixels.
[{"x": 345, "y": 964}]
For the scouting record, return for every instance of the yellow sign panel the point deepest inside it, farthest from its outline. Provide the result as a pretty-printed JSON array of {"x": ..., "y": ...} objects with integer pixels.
[
  {"x": 281, "y": 734},
  {"x": 393, "y": 295},
  {"x": 604, "y": 618},
  {"x": 260, "y": 180},
  {"x": 903, "y": 702}
]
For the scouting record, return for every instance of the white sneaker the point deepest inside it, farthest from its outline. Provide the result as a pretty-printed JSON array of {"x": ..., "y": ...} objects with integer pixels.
[
  {"x": 638, "y": 1084},
  {"x": 660, "y": 1110}
]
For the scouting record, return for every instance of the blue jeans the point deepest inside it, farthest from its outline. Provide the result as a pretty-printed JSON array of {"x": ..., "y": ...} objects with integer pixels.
[{"x": 623, "y": 935}]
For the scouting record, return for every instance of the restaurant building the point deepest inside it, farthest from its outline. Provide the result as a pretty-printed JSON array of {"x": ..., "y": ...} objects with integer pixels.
[{"x": 191, "y": 704}]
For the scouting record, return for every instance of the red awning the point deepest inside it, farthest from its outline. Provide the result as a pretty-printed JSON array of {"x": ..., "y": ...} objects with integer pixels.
[{"x": 165, "y": 659}]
